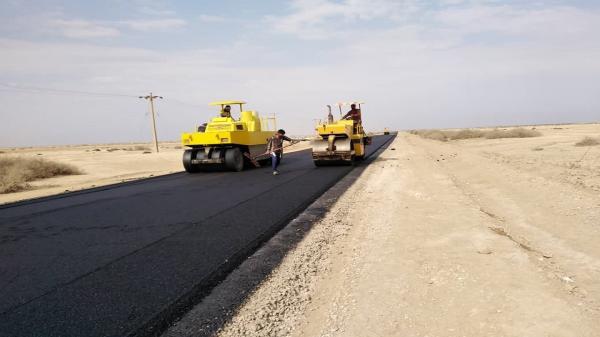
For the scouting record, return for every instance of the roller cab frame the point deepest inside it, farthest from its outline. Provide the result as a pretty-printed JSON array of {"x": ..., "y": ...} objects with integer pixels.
[{"x": 226, "y": 143}]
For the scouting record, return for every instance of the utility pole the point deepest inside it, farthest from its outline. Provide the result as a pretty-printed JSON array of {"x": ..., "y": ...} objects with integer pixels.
[
  {"x": 151, "y": 99},
  {"x": 274, "y": 121}
]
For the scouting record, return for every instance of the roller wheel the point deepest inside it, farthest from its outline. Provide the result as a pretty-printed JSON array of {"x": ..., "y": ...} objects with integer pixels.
[
  {"x": 188, "y": 155},
  {"x": 234, "y": 160}
]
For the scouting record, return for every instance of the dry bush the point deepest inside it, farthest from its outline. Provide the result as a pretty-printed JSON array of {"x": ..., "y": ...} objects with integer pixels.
[
  {"x": 464, "y": 134},
  {"x": 588, "y": 141},
  {"x": 15, "y": 172},
  {"x": 431, "y": 134},
  {"x": 435, "y": 135},
  {"x": 137, "y": 148},
  {"x": 444, "y": 136},
  {"x": 512, "y": 133}
]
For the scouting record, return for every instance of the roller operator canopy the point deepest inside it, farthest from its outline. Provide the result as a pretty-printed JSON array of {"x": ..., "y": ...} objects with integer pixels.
[
  {"x": 350, "y": 103},
  {"x": 217, "y": 103}
]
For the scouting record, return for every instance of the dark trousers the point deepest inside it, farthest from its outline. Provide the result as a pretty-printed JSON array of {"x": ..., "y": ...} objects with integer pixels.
[{"x": 275, "y": 160}]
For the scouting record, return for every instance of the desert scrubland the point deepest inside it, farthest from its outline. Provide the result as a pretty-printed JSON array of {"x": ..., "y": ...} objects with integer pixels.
[
  {"x": 93, "y": 165},
  {"x": 33, "y": 172},
  {"x": 466, "y": 237},
  {"x": 472, "y": 232}
]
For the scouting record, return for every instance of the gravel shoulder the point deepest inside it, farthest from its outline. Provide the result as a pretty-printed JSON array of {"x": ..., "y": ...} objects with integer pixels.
[{"x": 442, "y": 239}]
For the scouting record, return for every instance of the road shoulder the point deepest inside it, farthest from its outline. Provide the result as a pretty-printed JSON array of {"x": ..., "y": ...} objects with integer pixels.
[{"x": 405, "y": 251}]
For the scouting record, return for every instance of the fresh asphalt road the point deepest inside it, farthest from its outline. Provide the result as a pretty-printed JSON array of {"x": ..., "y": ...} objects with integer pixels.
[{"x": 116, "y": 261}]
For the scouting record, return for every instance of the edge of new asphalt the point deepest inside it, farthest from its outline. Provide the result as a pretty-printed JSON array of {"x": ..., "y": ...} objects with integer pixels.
[
  {"x": 220, "y": 304},
  {"x": 69, "y": 193}
]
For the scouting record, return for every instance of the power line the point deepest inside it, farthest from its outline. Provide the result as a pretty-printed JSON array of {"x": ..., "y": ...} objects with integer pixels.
[
  {"x": 186, "y": 103},
  {"x": 32, "y": 89},
  {"x": 36, "y": 89}
]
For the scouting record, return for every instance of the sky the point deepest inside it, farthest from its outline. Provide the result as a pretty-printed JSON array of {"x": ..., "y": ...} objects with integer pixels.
[{"x": 71, "y": 71}]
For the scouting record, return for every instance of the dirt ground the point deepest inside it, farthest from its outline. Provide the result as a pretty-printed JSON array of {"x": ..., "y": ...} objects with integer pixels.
[
  {"x": 464, "y": 238},
  {"x": 102, "y": 165}
]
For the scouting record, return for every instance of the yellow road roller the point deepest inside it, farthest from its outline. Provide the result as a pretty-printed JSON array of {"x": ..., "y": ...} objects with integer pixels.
[
  {"x": 226, "y": 143},
  {"x": 342, "y": 141}
]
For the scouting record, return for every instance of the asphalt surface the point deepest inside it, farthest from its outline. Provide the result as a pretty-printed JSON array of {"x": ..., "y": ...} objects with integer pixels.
[{"x": 127, "y": 259}]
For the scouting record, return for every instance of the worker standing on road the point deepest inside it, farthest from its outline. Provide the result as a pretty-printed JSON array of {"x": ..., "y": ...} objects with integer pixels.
[{"x": 275, "y": 148}]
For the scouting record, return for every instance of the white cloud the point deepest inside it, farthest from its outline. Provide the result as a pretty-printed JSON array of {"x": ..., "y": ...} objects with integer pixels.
[
  {"x": 211, "y": 18},
  {"x": 55, "y": 24},
  {"x": 147, "y": 10},
  {"x": 318, "y": 19},
  {"x": 326, "y": 19},
  {"x": 82, "y": 29},
  {"x": 560, "y": 21},
  {"x": 153, "y": 25},
  {"x": 461, "y": 65}
]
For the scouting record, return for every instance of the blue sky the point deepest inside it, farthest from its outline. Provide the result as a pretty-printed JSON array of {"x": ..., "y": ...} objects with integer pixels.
[{"x": 417, "y": 64}]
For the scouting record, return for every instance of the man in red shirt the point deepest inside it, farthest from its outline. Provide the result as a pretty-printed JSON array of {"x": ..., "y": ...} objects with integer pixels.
[{"x": 353, "y": 114}]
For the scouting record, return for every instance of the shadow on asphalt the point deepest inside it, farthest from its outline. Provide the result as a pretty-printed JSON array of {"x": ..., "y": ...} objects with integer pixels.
[{"x": 209, "y": 314}]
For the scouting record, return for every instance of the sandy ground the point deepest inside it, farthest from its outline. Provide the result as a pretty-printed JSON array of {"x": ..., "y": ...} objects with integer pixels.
[
  {"x": 466, "y": 238},
  {"x": 102, "y": 165}
]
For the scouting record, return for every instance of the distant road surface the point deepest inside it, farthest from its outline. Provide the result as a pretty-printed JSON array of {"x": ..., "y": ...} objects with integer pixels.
[{"x": 116, "y": 261}]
